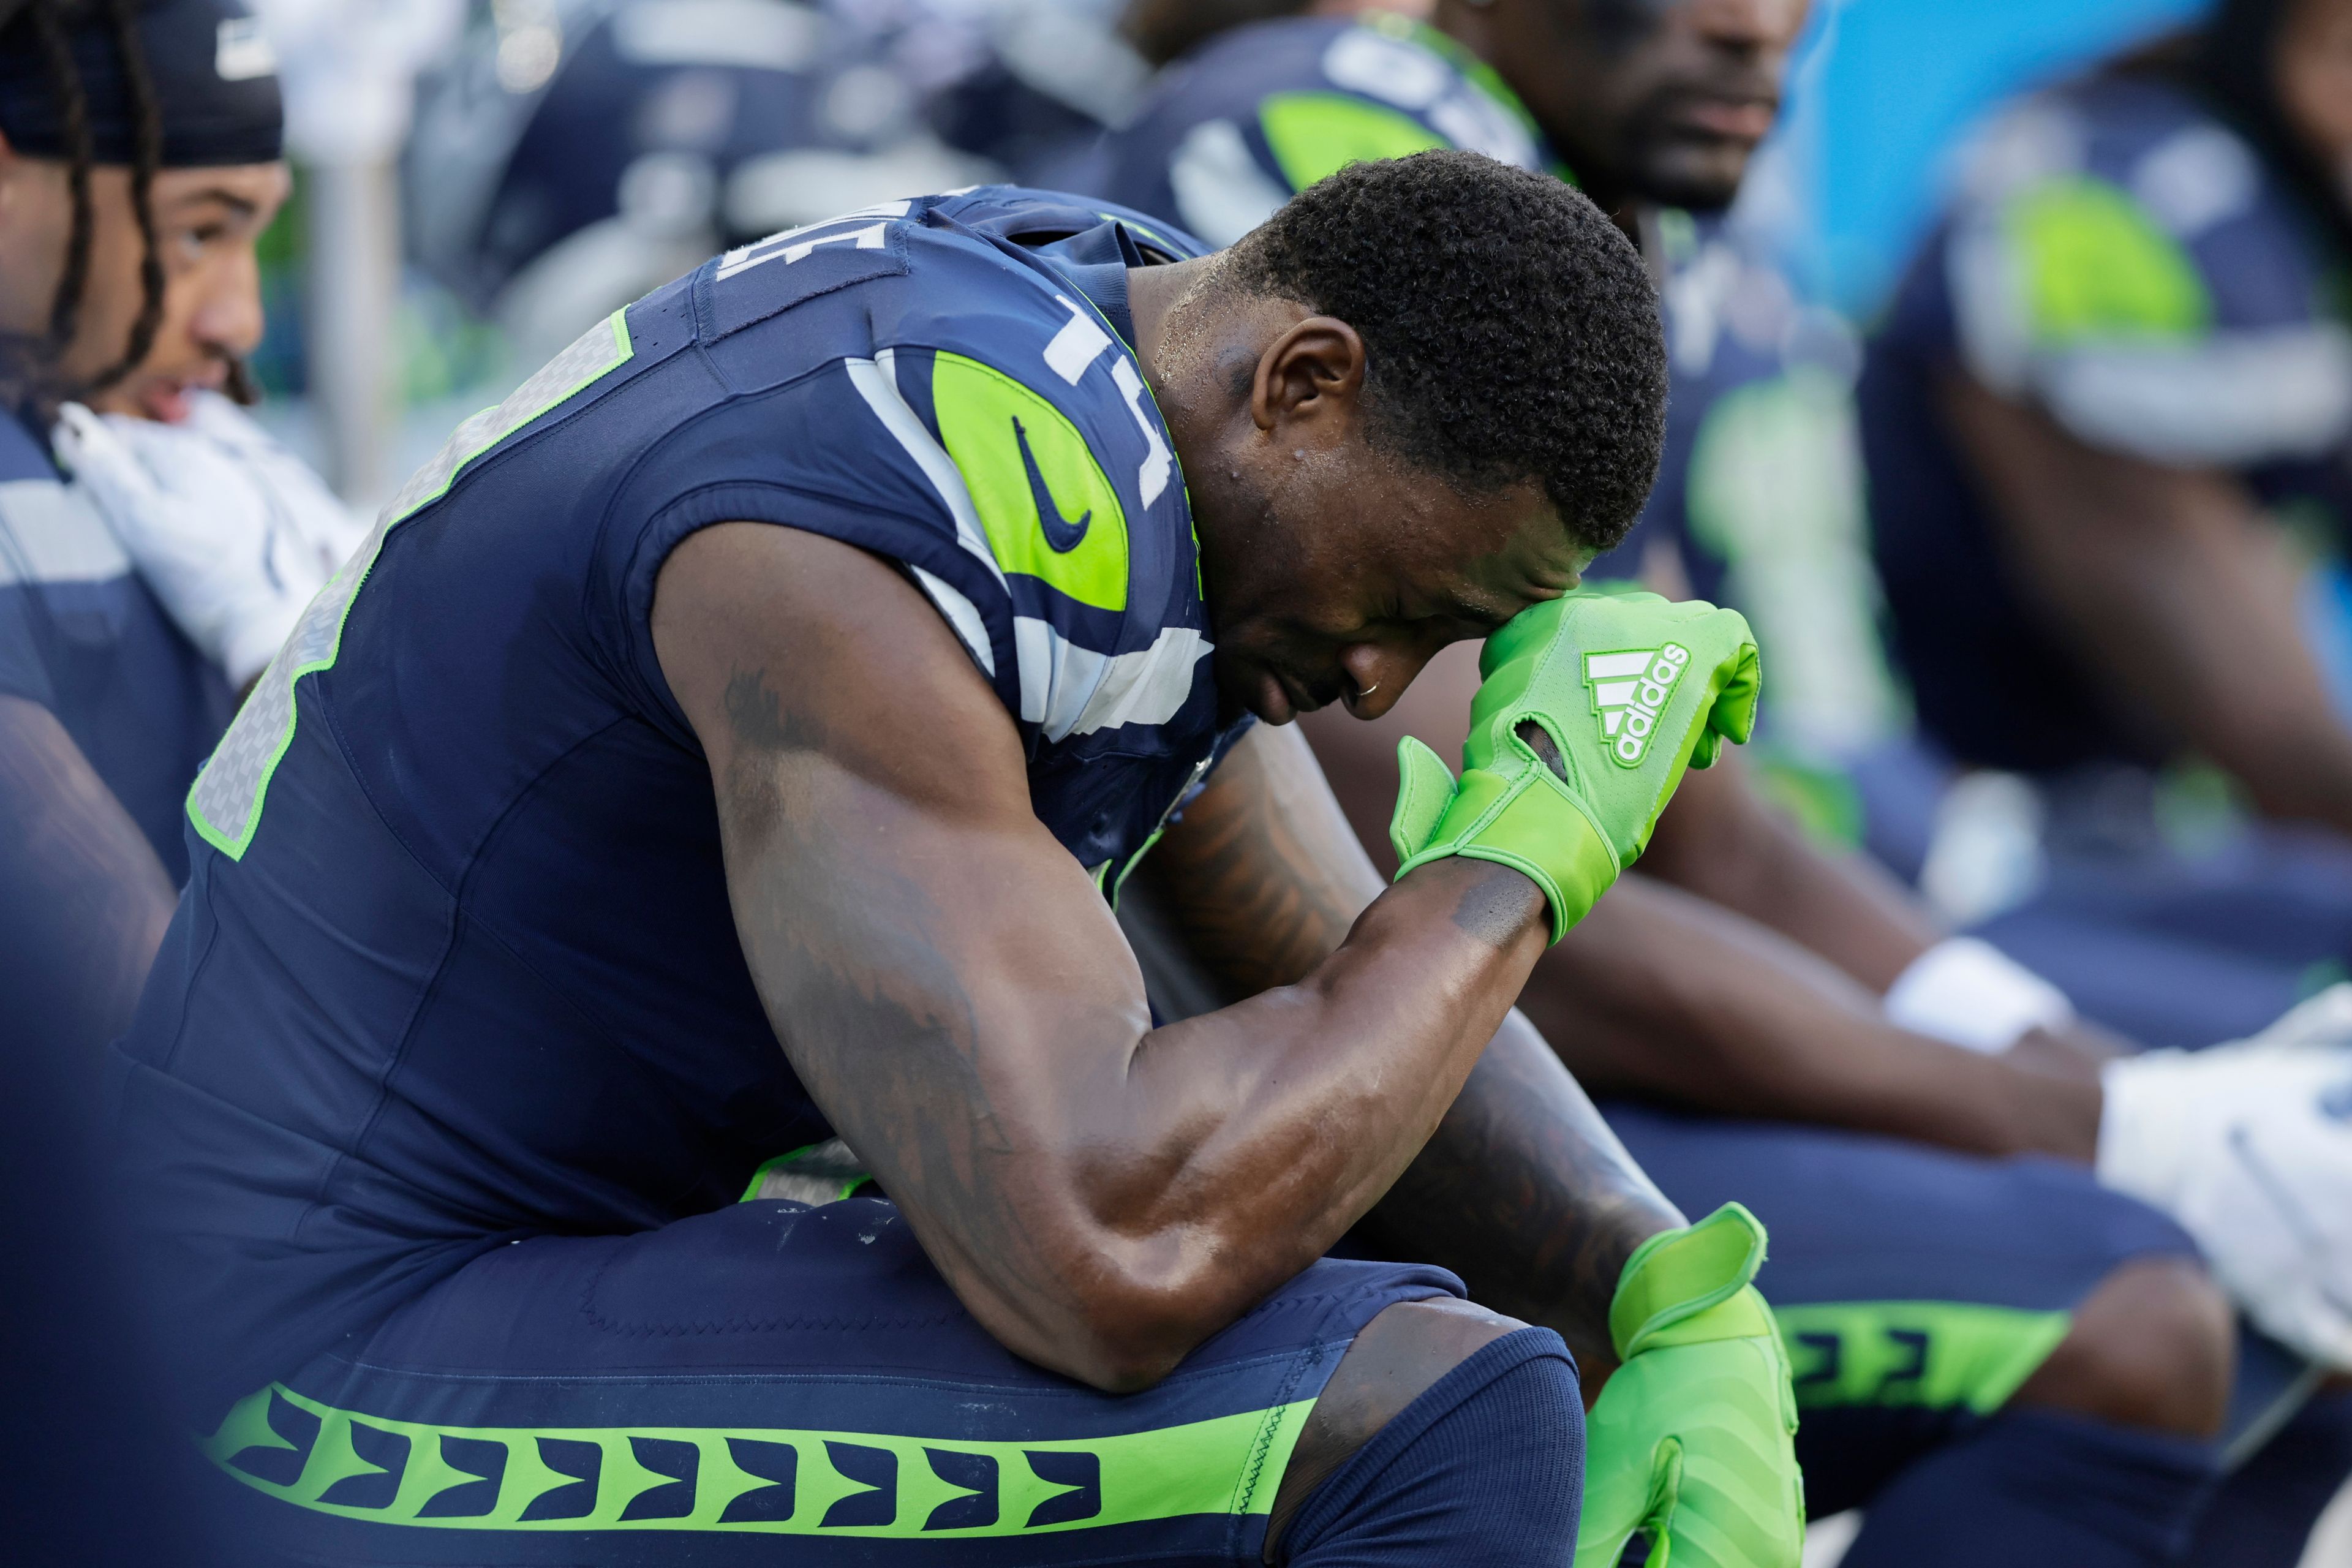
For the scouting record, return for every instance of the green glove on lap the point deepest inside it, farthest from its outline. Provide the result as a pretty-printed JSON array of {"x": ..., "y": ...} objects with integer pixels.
[
  {"x": 1632, "y": 689},
  {"x": 1691, "y": 1440}
]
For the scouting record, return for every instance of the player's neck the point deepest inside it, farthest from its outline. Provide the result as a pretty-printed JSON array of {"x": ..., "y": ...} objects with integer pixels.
[{"x": 1155, "y": 297}]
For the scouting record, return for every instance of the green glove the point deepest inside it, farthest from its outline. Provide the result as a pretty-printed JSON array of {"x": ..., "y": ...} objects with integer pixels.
[
  {"x": 1632, "y": 689},
  {"x": 1692, "y": 1438}
]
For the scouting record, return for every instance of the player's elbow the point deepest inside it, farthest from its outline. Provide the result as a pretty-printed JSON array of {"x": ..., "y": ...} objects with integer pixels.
[
  {"x": 1123, "y": 1334},
  {"x": 1114, "y": 1321}
]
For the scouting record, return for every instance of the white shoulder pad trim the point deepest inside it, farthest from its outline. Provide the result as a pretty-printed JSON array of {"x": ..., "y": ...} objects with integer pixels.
[
  {"x": 1067, "y": 689},
  {"x": 49, "y": 533},
  {"x": 2233, "y": 400},
  {"x": 1222, "y": 193},
  {"x": 876, "y": 381}
]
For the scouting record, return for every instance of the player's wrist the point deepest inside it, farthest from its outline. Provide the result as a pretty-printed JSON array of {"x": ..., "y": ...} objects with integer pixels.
[
  {"x": 1529, "y": 822},
  {"x": 2050, "y": 1112},
  {"x": 1967, "y": 992},
  {"x": 1493, "y": 899}
]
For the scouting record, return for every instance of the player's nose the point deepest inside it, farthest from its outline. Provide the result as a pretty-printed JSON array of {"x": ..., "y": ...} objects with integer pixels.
[
  {"x": 229, "y": 318},
  {"x": 1380, "y": 674}
]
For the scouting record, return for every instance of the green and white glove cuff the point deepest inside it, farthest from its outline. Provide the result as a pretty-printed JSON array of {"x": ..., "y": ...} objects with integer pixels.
[{"x": 1531, "y": 823}]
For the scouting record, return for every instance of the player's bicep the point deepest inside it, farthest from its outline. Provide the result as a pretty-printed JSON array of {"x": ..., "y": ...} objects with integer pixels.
[{"x": 936, "y": 965}]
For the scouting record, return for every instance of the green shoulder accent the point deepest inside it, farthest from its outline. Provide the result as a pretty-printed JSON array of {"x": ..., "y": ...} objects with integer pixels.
[
  {"x": 225, "y": 803},
  {"x": 812, "y": 1173},
  {"x": 2096, "y": 264},
  {"x": 1823, "y": 798},
  {"x": 1020, "y": 458},
  {"x": 1930, "y": 1354},
  {"x": 766, "y": 1480},
  {"x": 1317, "y": 133}
]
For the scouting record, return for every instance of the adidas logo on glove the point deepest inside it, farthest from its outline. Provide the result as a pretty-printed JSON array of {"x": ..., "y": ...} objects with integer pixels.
[{"x": 1629, "y": 692}]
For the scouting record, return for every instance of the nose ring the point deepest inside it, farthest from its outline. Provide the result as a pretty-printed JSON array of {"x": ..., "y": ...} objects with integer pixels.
[{"x": 1367, "y": 690}]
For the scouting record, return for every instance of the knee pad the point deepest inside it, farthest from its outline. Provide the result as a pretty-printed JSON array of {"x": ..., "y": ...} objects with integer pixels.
[{"x": 1487, "y": 1466}]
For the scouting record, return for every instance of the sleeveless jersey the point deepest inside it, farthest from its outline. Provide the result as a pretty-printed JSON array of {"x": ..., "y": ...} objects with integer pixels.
[
  {"x": 2121, "y": 259},
  {"x": 456, "y": 964},
  {"x": 82, "y": 635}
]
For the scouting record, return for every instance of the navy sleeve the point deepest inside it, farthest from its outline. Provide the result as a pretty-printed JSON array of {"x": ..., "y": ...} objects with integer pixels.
[
  {"x": 82, "y": 896},
  {"x": 814, "y": 457},
  {"x": 23, "y": 671}
]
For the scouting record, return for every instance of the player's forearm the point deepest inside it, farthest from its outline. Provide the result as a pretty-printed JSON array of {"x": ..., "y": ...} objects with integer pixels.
[
  {"x": 2296, "y": 766},
  {"x": 1660, "y": 996},
  {"x": 1525, "y": 1192},
  {"x": 1249, "y": 1140},
  {"x": 1103, "y": 1198},
  {"x": 1722, "y": 840}
]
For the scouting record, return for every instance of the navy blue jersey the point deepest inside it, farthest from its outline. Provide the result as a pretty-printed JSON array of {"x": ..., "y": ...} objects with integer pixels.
[
  {"x": 2122, "y": 260},
  {"x": 82, "y": 635},
  {"x": 1263, "y": 111},
  {"x": 456, "y": 964}
]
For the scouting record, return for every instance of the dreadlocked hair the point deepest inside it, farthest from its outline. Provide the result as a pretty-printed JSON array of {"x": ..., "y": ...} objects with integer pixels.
[
  {"x": 25, "y": 361},
  {"x": 49, "y": 21},
  {"x": 146, "y": 156},
  {"x": 46, "y": 18}
]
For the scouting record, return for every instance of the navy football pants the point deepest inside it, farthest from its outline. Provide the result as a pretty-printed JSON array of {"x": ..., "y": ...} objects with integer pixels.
[{"x": 771, "y": 1379}]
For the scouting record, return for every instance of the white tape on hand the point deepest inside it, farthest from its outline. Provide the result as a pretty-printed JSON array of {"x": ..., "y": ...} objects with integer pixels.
[
  {"x": 2250, "y": 1147},
  {"x": 1968, "y": 992}
]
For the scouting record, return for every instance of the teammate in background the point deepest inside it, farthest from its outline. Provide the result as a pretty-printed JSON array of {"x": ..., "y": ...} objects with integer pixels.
[
  {"x": 126, "y": 281},
  {"x": 760, "y": 706},
  {"x": 2109, "y": 423},
  {"x": 2047, "y": 1323},
  {"x": 139, "y": 160},
  {"x": 548, "y": 195}
]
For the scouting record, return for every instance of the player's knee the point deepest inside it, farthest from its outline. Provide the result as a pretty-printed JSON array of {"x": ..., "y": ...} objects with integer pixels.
[
  {"x": 2155, "y": 1346},
  {"x": 1399, "y": 1356}
]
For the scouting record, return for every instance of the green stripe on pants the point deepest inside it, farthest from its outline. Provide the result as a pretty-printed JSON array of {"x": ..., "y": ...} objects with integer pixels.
[
  {"x": 784, "y": 1481},
  {"x": 1928, "y": 1354}
]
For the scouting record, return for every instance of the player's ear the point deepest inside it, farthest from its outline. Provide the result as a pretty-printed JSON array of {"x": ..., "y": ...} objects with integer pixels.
[{"x": 1313, "y": 372}]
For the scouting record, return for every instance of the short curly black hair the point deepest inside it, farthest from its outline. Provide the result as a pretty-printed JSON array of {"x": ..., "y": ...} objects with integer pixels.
[{"x": 1512, "y": 331}]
